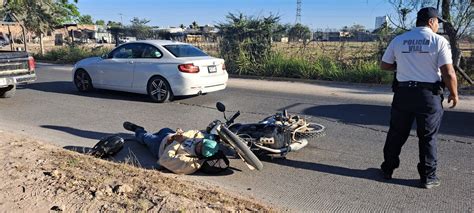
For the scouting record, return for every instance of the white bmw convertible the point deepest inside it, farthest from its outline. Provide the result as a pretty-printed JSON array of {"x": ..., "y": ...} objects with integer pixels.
[{"x": 160, "y": 68}]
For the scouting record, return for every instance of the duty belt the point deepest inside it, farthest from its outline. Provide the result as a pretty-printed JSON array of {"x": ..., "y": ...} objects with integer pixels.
[{"x": 416, "y": 84}]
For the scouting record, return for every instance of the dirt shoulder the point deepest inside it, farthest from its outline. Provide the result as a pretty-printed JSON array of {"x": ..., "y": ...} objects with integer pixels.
[{"x": 38, "y": 176}]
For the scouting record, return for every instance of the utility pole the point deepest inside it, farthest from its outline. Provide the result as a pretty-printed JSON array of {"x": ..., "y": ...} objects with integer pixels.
[
  {"x": 298, "y": 12},
  {"x": 121, "y": 18}
]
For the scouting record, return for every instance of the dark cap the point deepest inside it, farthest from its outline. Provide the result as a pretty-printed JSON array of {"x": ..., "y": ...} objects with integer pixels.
[{"x": 429, "y": 12}]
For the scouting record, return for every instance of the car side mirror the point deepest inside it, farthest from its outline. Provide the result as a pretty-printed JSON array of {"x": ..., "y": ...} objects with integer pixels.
[{"x": 220, "y": 106}]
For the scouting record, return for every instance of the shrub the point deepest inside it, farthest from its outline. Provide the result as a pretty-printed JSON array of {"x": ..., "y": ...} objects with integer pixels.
[
  {"x": 71, "y": 54},
  {"x": 246, "y": 42}
]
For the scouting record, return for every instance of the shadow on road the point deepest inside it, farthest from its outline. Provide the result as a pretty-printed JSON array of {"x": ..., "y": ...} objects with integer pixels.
[
  {"x": 66, "y": 87},
  {"x": 454, "y": 123},
  {"x": 369, "y": 174},
  {"x": 133, "y": 153},
  {"x": 82, "y": 133}
]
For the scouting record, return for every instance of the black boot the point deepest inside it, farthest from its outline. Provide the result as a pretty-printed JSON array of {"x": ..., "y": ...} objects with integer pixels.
[
  {"x": 386, "y": 173},
  {"x": 131, "y": 126}
]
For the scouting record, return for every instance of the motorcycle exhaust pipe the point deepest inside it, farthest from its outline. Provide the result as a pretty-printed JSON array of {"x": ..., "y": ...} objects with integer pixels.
[
  {"x": 293, "y": 147},
  {"x": 282, "y": 150},
  {"x": 298, "y": 145}
]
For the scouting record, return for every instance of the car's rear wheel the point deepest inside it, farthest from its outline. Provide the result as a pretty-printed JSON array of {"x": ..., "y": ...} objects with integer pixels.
[
  {"x": 159, "y": 90},
  {"x": 83, "y": 81},
  {"x": 8, "y": 92}
]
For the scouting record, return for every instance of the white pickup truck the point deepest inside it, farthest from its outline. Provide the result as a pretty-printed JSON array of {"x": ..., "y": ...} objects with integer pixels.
[{"x": 15, "y": 68}]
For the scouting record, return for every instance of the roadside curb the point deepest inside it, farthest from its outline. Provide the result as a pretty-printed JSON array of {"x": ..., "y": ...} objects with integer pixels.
[
  {"x": 310, "y": 81},
  {"x": 467, "y": 90}
]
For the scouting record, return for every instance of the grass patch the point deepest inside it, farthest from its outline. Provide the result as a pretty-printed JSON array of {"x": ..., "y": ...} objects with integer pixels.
[{"x": 319, "y": 67}]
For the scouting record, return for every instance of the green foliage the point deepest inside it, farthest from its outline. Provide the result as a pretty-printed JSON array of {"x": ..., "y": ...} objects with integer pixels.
[
  {"x": 113, "y": 24},
  {"x": 194, "y": 25},
  {"x": 280, "y": 31},
  {"x": 384, "y": 36},
  {"x": 100, "y": 22},
  {"x": 246, "y": 41},
  {"x": 85, "y": 19},
  {"x": 139, "y": 28},
  {"x": 71, "y": 54},
  {"x": 65, "y": 12},
  {"x": 40, "y": 16},
  {"x": 247, "y": 50},
  {"x": 357, "y": 28},
  {"x": 299, "y": 32},
  {"x": 323, "y": 68}
]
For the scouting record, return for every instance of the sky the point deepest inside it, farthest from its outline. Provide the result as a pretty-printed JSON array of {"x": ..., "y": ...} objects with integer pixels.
[{"x": 316, "y": 14}]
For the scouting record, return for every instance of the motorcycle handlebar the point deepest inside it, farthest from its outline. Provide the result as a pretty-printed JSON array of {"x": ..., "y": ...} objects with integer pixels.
[{"x": 231, "y": 120}]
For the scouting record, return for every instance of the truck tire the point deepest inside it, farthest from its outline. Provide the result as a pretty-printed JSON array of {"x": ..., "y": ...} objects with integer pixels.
[{"x": 8, "y": 92}]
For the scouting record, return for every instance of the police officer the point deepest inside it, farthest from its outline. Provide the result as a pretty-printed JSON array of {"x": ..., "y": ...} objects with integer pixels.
[{"x": 423, "y": 64}]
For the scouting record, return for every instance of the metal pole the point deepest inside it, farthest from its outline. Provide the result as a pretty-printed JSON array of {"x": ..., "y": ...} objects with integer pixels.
[
  {"x": 10, "y": 37},
  {"x": 24, "y": 36}
]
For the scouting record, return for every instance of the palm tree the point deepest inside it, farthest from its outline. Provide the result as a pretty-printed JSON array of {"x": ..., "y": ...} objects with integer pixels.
[{"x": 194, "y": 25}]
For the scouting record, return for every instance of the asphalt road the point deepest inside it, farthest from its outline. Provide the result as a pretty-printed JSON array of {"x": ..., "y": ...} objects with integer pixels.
[{"x": 337, "y": 172}]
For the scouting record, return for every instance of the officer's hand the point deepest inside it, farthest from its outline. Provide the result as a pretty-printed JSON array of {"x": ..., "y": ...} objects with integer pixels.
[{"x": 453, "y": 98}]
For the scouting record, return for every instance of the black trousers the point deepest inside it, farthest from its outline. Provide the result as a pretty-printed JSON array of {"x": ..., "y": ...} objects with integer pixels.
[{"x": 410, "y": 104}]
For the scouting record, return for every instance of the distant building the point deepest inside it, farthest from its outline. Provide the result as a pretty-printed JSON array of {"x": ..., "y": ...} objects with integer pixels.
[
  {"x": 380, "y": 20},
  {"x": 328, "y": 36},
  {"x": 358, "y": 36},
  {"x": 102, "y": 35}
]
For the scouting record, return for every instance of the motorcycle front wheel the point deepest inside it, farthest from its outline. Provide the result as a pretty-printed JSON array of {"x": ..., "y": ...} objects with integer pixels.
[{"x": 241, "y": 148}]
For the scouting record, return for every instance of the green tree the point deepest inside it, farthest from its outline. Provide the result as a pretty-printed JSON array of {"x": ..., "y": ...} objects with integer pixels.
[
  {"x": 116, "y": 29},
  {"x": 139, "y": 28},
  {"x": 384, "y": 35},
  {"x": 194, "y": 25},
  {"x": 246, "y": 41},
  {"x": 458, "y": 13},
  {"x": 299, "y": 32},
  {"x": 357, "y": 28},
  {"x": 40, "y": 16},
  {"x": 280, "y": 31},
  {"x": 100, "y": 22},
  {"x": 85, "y": 19},
  {"x": 113, "y": 24}
]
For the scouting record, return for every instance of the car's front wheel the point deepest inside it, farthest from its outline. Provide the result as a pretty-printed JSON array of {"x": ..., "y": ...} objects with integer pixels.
[
  {"x": 159, "y": 90},
  {"x": 83, "y": 81}
]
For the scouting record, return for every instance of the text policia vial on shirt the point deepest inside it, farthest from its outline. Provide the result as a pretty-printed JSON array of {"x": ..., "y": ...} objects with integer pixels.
[{"x": 416, "y": 45}]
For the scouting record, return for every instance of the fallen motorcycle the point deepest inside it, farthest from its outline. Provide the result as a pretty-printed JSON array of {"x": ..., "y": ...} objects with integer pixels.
[
  {"x": 218, "y": 130},
  {"x": 280, "y": 133}
]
